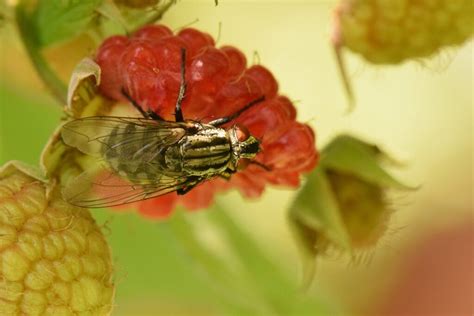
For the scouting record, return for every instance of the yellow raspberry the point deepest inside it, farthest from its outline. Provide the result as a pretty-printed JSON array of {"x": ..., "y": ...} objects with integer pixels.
[
  {"x": 392, "y": 31},
  {"x": 54, "y": 259}
]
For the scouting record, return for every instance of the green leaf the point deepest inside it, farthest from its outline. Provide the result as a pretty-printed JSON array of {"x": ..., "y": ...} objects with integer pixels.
[
  {"x": 348, "y": 154},
  {"x": 59, "y": 20}
]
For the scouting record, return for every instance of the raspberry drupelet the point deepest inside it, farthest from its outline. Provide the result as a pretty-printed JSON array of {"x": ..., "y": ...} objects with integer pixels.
[{"x": 147, "y": 66}]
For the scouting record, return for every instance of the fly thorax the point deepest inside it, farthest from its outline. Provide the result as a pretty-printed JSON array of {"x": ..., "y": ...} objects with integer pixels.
[{"x": 206, "y": 153}]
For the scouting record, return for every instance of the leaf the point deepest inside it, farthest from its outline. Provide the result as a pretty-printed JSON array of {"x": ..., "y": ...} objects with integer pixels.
[
  {"x": 349, "y": 154},
  {"x": 59, "y": 20}
]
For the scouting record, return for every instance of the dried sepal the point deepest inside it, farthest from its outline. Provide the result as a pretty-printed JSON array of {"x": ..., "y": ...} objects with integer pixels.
[
  {"x": 343, "y": 204},
  {"x": 83, "y": 85},
  {"x": 58, "y": 161},
  {"x": 31, "y": 171}
]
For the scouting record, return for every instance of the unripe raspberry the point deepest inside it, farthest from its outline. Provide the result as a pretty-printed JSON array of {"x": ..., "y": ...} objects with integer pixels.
[
  {"x": 54, "y": 260},
  {"x": 363, "y": 214},
  {"x": 343, "y": 205},
  {"x": 392, "y": 31},
  {"x": 364, "y": 209}
]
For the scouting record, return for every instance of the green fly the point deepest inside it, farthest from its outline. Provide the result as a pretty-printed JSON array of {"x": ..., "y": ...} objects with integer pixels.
[{"x": 142, "y": 158}]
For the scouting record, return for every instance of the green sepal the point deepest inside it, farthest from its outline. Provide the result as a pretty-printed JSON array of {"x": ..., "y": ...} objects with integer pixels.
[
  {"x": 316, "y": 208},
  {"x": 359, "y": 158}
]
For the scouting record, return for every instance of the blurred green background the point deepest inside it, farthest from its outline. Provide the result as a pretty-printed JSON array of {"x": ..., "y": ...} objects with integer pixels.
[{"x": 420, "y": 112}]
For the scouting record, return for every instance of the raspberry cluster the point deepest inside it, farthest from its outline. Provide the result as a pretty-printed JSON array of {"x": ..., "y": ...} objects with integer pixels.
[
  {"x": 147, "y": 65},
  {"x": 389, "y": 32}
]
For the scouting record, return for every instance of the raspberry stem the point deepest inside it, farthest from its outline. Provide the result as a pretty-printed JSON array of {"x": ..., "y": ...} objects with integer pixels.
[
  {"x": 346, "y": 82},
  {"x": 49, "y": 77},
  {"x": 156, "y": 16}
]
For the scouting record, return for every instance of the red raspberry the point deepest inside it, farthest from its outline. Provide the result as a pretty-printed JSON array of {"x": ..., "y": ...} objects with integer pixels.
[
  {"x": 152, "y": 33},
  {"x": 195, "y": 40},
  {"x": 208, "y": 71},
  {"x": 219, "y": 83},
  {"x": 264, "y": 79},
  {"x": 237, "y": 61}
]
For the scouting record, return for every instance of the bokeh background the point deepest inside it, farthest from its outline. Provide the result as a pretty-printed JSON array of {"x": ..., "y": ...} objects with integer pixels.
[{"x": 420, "y": 112}]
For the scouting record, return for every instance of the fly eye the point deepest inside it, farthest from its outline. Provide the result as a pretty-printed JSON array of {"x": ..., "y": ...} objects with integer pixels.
[{"x": 242, "y": 132}]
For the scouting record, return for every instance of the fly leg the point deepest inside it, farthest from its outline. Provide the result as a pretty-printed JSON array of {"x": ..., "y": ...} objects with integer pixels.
[
  {"x": 178, "y": 113},
  {"x": 146, "y": 114},
  {"x": 221, "y": 121},
  {"x": 226, "y": 174},
  {"x": 194, "y": 182},
  {"x": 261, "y": 165}
]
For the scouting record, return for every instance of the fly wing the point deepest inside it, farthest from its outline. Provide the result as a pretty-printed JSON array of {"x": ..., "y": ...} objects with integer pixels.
[
  {"x": 128, "y": 167},
  {"x": 101, "y": 187},
  {"x": 127, "y": 139}
]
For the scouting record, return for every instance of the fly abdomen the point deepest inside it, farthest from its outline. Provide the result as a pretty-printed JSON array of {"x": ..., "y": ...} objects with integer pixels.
[{"x": 120, "y": 149}]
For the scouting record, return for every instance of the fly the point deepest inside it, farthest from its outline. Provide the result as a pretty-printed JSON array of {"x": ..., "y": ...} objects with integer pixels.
[{"x": 142, "y": 158}]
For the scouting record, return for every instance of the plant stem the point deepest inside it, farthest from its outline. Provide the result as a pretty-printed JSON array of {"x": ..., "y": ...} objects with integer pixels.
[
  {"x": 47, "y": 75},
  {"x": 155, "y": 16}
]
